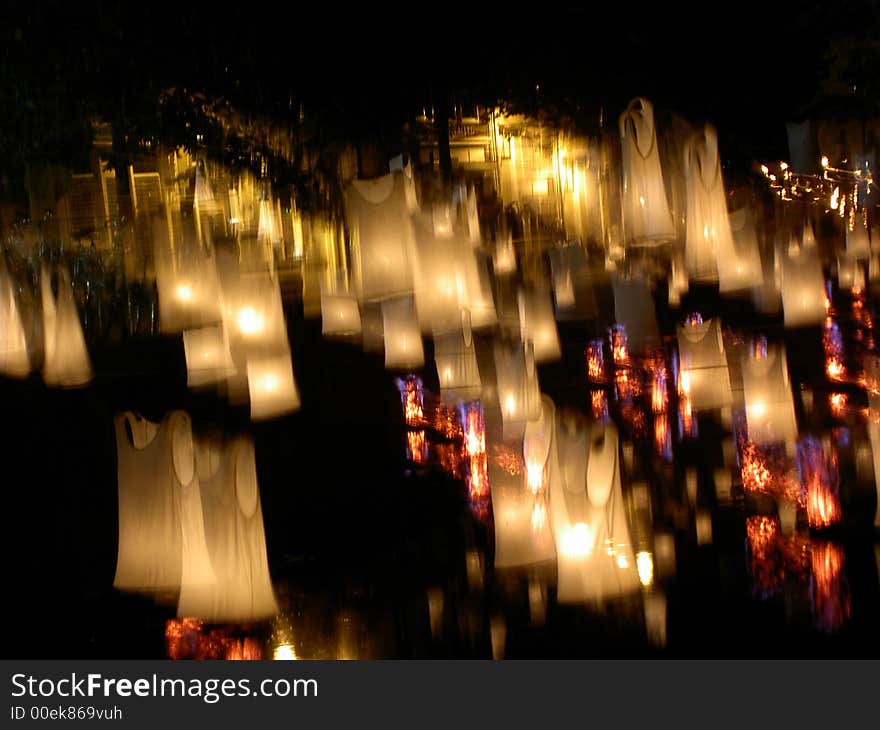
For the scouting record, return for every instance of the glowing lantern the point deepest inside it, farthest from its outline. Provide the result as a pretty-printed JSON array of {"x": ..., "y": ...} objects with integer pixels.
[
  {"x": 403, "y": 337},
  {"x": 271, "y": 386}
]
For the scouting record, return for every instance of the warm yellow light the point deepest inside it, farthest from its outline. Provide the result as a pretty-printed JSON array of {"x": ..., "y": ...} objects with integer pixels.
[
  {"x": 825, "y": 161},
  {"x": 757, "y": 410},
  {"x": 184, "y": 293},
  {"x": 268, "y": 383},
  {"x": 539, "y": 516},
  {"x": 510, "y": 404},
  {"x": 535, "y": 475},
  {"x": 250, "y": 322},
  {"x": 622, "y": 561},
  {"x": 783, "y": 165},
  {"x": 540, "y": 187},
  {"x": 765, "y": 169},
  {"x": 579, "y": 541},
  {"x": 284, "y": 652},
  {"x": 645, "y": 566}
]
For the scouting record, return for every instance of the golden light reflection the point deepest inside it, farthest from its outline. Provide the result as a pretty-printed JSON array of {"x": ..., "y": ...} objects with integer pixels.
[
  {"x": 413, "y": 400},
  {"x": 819, "y": 482},
  {"x": 686, "y": 415},
  {"x": 595, "y": 361},
  {"x": 539, "y": 515},
  {"x": 507, "y": 460},
  {"x": 579, "y": 541},
  {"x": 534, "y": 476},
  {"x": 645, "y": 566},
  {"x": 837, "y": 403},
  {"x": 659, "y": 395},
  {"x": 619, "y": 345},
  {"x": 284, "y": 652},
  {"x": 184, "y": 293},
  {"x": 832, "y": 343},
  {"x": 187, "y": 638},
  {"x": 417, "y": 447},
  {"x": 829, "y": 592},
  {"x": 765, "y": 565},
  {"x": 599, "y": 405},
  {"x": 250, "y": 321},
  {"x": 663, "y": 436}
]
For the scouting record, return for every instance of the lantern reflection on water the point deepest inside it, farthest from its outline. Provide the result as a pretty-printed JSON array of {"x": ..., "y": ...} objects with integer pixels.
[
  {"x": 819, "y": 480},
  {"x": 832, "y": 342},
  {"x": 619, "y": 345},
  {"x": 595, "y": 361},
  {"x": 411, "y": 394},
  {"x": 829, "y": 590}
]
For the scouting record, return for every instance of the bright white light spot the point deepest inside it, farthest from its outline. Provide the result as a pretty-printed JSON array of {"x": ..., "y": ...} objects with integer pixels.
[
  {"x": 284, "y": 652},
  {"x": 645, "y": 566},
  {"x": 250, "y": 322}
]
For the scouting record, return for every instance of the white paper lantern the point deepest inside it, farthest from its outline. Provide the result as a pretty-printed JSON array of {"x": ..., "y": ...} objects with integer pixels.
[
  {"x": 402, "y": 335},
  {"x": 802, "y": 286},
  {"x": 271, "y": 386},
  {"x": 208, "y": 357},
  {"x": 522, "y": 526},
  {"x": 595, "y": 557},
  {"x": 703, "y": 371},
  {"x": 518, "y": 390},
  {"x": 14, "y": 359},
  {"x": 340, "y": 314},
  {"x": 382, "y": 236},
  {"x": 739, "y": 270},
  {"x": 646, "y": 214},
  {"x": 708, "y": 235},
  {"x": 538, "y": 325},
  {"x": 66, "y": 363},
  {"x": 770, "y": 414},
  {"x": 456, "y": 362}
]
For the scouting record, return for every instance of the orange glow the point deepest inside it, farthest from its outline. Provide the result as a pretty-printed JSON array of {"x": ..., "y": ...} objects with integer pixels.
[
  {"x": 417, "y": 447},
  {"x": 837, "y": 402},
  {"x": 663, "y": 436},
  {"x": 474, "y": 431},
  {"x": 819, "y": 482},
  {"x": 829, "y": 593},
  {"x": 832, "y": 344},
  {"x": 445, "y": 422},
  {"x": 688, "y": 422},
  {"x": 766, "y": 471},
  {"x": 247, "y": 649},
  {"x": 535, "y": 476},
  {"x": 412, "y": 400},
  {"x": 595, "y": 361},
  {"x": 186, "y": 638},
  {"x": 599, "y": 404},
  {"x": 619, "y": 346},
  {"x": 659, "y": 396},
  {"x": 507, "y": 460},
  {"x": 539, "y": 515},
  {"x": 767, "y": 570},
  {"x": 835, "y": 369}
]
